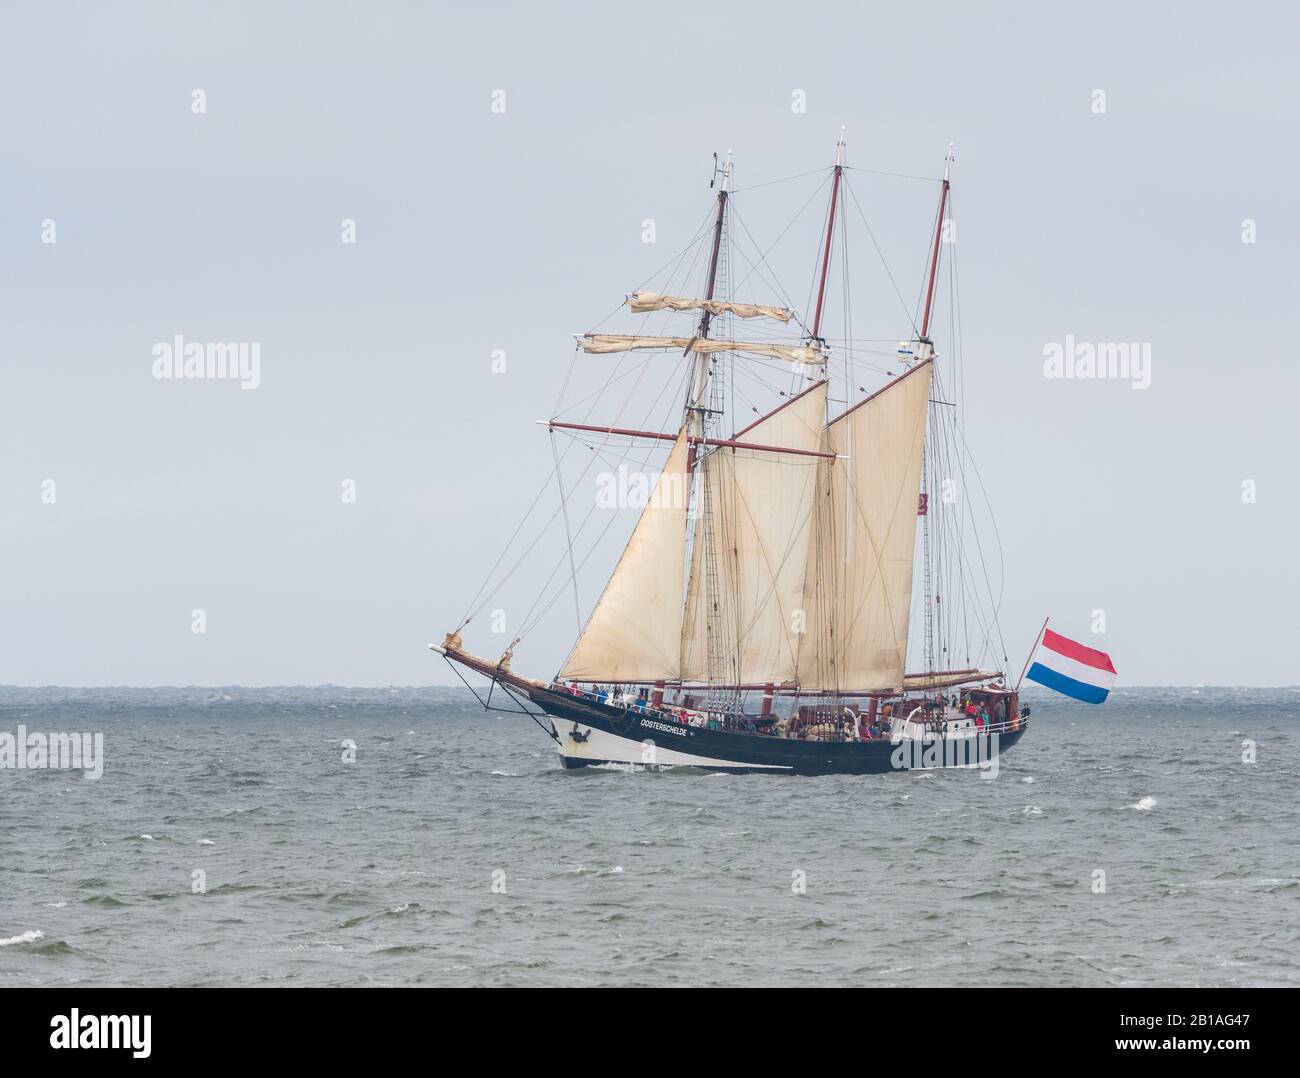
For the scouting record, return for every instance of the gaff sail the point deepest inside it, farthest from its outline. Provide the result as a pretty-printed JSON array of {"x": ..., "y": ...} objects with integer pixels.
[
  {"x": 634, "y": 633},
  {"x": 858, "y": 588},
  {"x": 762, "y": 504}
]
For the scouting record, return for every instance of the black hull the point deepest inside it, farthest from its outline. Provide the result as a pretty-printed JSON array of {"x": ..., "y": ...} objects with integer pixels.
[{"x": 609, "y": 734}]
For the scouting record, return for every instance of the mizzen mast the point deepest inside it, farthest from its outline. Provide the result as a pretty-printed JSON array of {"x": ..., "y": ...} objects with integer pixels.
[
  {"x": 949, "y": 158},
  {"x": 925, "y": 350},
  {"x": 830, "y": 233}
]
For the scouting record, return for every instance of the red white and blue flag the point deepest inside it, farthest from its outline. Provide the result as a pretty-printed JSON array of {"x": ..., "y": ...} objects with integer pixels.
[{"x": 1072, "y": 669}]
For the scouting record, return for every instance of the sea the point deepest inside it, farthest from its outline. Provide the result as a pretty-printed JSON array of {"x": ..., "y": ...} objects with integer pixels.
[{"x": 405, "y": 837}]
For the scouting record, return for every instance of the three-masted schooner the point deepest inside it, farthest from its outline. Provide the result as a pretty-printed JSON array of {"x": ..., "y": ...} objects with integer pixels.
[{"x": 759, "y": 616}]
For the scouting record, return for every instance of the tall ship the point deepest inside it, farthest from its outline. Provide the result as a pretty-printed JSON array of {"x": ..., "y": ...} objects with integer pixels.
[{"x": 805, "y": 590}]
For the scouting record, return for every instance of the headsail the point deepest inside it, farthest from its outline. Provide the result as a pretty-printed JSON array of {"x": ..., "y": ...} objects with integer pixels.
[
  {"x": 857, "y": 594},
  {"x": 625, "y": 342},
  {"x": 644, "y": 302},
  {"x": 635, "y": 631},
  {"x": 762, "y": 504}
]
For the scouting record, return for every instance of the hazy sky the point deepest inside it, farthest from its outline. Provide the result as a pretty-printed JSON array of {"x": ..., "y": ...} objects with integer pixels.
[{"x": 479, "y": 231}]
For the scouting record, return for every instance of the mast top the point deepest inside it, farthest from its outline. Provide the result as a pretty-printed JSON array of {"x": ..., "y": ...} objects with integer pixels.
[
  {"x": 725, "y": 169},
  {"x": 926, "y": 349},
  {"x": 839, "y": 149}
]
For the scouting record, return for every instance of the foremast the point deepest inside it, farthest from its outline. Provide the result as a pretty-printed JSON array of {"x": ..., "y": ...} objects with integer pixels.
[{"x": 703, "y": 405}]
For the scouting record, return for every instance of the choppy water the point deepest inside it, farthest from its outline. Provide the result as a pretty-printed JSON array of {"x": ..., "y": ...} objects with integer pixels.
[{"x": 321, "y": 872}]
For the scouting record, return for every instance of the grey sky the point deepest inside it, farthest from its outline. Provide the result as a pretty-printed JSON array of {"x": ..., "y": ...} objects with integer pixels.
[{"x": 479, "y": 231}]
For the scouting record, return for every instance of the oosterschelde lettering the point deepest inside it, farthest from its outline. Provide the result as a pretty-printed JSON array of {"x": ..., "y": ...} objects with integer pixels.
[
  {"x": 663, "y": 727},
  {"x": 76, "y": 1030},
  {"x": 63, "y": 752},
  {"x": 981, "y": 751},
  {"x": 194, "y": 360},
  {"x": 1107, "y": 360}
]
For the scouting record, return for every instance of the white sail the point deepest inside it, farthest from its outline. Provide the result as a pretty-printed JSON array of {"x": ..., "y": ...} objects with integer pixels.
[
  {"x": 599, "y": 343},
  {"x": 857, "y": 593},
  {"x": 644, "y": 302},
  {"x": 634, "y": 634},
  {"x": 761, "y": 505}
]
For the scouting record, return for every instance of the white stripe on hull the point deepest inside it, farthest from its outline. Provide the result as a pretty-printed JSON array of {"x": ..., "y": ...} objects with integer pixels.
[{"x": 600, "y": 745}]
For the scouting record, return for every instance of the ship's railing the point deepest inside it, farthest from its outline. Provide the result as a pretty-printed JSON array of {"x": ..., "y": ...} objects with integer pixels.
[
  {"x": 629, "y": 704},
  {"x": 634, "y": 705},
  {"x": 1003, "y": 726},
  {"x": 1006, "y": 726}
]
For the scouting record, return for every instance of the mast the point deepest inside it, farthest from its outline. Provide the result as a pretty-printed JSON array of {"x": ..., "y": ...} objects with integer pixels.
[
  {"x": 825, "y": 268},
  {"x": 925, "y": 350},
  {"x": 830, "y": 233},
  {"x": 706, "y": 316},
  {"x": 934, "y": 255},
  {"x": 826, "y": 247},
  {"x": 705, "y": 392}
]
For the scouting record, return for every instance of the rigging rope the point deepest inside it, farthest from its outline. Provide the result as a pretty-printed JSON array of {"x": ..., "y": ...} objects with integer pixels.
[
  {"x": 895, "y": 175},
  {"x": 474, "y": 610},
  {"x": 772, "y": 183},
  {"x": 883, "y": 261},
  {"x": 568, "y": 532}
]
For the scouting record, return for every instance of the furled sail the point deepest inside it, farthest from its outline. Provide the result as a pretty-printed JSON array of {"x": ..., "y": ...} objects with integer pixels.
[
  {"x": 760, "y": 505},
  {"x": 942, "y": 679},
  {"x": 644, "y": 302},
  {"x": 634, "y": 633},
  {"x": 858, "y": 588},
  {"x": 622, "y": 342}
]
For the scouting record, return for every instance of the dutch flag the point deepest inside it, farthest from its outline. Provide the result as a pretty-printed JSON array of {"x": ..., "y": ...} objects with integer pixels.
[{"x": 1072, "y": 669}]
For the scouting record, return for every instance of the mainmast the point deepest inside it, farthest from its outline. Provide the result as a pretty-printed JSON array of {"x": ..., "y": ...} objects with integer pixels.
[{"x": 821, "y": 284}]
